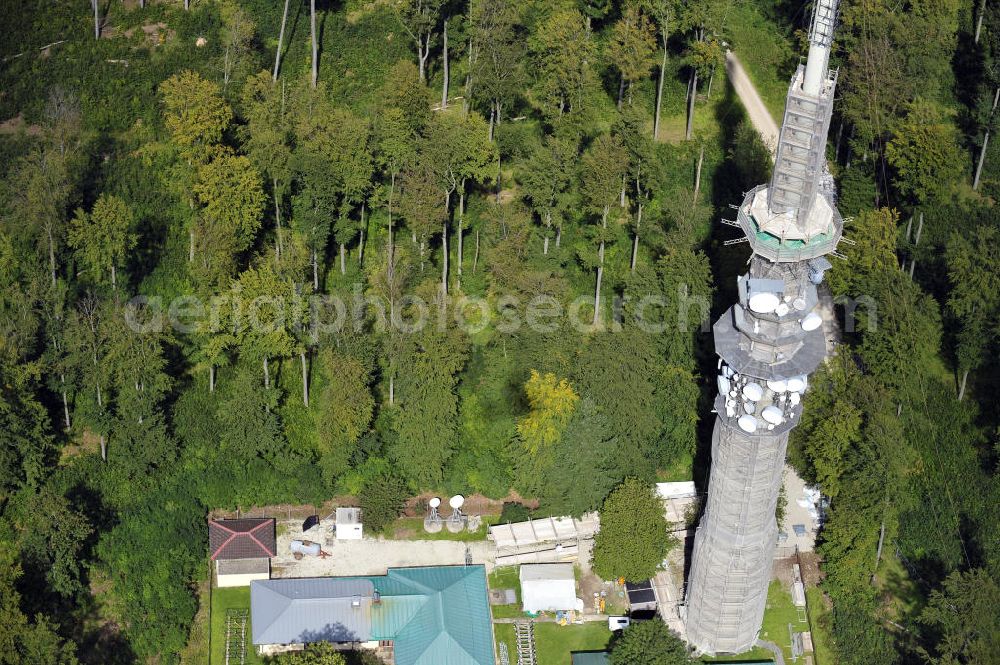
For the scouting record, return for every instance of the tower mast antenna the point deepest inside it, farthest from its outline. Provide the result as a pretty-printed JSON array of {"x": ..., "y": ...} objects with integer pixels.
[{"x": 769, "y": 343}]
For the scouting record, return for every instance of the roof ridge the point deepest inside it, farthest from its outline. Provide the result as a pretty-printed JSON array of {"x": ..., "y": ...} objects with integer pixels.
[{"x": 285, "y": 601}]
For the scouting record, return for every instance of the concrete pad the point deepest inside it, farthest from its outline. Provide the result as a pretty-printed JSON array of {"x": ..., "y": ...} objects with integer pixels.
[{"x": 369, "y": 556}]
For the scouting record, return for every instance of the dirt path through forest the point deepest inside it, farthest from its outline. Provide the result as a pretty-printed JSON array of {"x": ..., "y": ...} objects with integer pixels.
[{"x": 760, "y": 118}]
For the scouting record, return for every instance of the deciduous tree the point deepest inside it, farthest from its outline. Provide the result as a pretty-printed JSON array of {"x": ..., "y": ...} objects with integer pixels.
[
  {"x": 650, "y": 643},
  {"x": 633, "y": 540},
  {"x": 552, "y": 402},
  {"x": 346, "y": 409},
  {"x": 603, "y": 167},
  {"x": 195, "y": 113},
  {"x": 267, "y": 140},
  {"x": 419, "y": 19},
  {"x": 104, "y": 237},
  {"x": 631, "y": 48},
  {"x": 564, "y": 54},
  {"x": 547, "y": 180},
  {"x": 924, "y": 154},
  {"x": 231, "y": 193}
]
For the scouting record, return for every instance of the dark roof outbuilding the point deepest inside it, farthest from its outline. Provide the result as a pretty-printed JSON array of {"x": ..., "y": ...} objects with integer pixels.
[{"x": 248, "y": 538}]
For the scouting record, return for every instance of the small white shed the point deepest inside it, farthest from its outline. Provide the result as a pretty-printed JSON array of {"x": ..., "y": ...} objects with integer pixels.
[
  {"x": 349, "y": 524},
  {"x": 548, "y": 586}
]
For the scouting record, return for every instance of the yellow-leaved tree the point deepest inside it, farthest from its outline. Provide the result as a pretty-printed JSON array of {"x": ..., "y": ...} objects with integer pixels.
[{"x": 552, "y": 402}]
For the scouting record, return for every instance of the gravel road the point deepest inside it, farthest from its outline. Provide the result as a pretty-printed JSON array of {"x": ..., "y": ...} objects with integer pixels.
[{"x": 760, "y": 118}]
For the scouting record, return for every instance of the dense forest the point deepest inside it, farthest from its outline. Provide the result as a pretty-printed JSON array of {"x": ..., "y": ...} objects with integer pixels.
[{"x": 258, "y": 252}]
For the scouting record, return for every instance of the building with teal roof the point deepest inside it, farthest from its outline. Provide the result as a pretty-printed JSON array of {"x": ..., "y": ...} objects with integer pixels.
[{"x": 433, "y": 616}]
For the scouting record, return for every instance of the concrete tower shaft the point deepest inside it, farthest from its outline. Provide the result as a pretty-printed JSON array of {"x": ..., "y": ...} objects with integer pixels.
[{"x": 768, "y": 343}]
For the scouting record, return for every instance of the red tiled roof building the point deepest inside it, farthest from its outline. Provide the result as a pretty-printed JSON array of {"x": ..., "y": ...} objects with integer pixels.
[{"x": 248, "y": 538}]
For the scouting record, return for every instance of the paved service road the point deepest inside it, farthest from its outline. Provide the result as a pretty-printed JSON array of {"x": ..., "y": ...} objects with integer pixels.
[{"x": 760, "y": 117}]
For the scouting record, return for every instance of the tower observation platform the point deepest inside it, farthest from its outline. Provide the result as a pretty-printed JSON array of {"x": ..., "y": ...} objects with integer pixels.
[{"x": 768, "y": 343}]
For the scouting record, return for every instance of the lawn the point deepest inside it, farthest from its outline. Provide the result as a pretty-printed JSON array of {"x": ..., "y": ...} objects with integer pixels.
[
  {"x": 507, "y": 577},
  {"x": 196, "y": 651},
  {"x": 555, "y": 643},
  {"x": 819, "y": 625},
  {"x": 412, "y": 528},
  {"x": 779, "y": 613},
  {"x": 222, "y": 600}
]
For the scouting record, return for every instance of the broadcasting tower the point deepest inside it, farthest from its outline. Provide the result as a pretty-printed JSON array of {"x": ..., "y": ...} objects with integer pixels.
[{"x": 768, "y": 344}]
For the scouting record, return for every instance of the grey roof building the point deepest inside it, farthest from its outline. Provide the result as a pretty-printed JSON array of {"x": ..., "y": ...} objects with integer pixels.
[
  {"x": 437, "y": 615},
  {"x": 291, "y": 611}
]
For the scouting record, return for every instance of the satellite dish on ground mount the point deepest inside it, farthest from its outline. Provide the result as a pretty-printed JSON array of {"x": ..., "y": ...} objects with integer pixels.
[
  {"x": 457, "y": 521},
  {"x": 432, "y": 523}
]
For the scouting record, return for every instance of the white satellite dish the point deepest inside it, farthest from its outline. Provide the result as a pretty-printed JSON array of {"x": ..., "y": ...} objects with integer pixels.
[
  {"x": 456, "y": 501},
  {"x": 764, "y": 302},
  {"x": 747, "y": 423},
  {"x": 811, "y": 321},
  {"x": 435, "y": 502},
  {"x": 772, "y": 414},
  {"x": 799, "y": 304},
  {"x": 796, "y": 384},
  {"x": 781, "y": 309},
  {"x": 794, "y": 399},
  {"x": 753, "y": 391},
  {"x": 777, "y": 385}
]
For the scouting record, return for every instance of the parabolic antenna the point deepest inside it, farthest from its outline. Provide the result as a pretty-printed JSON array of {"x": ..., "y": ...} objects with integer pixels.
[
  {"x": 781, "y": 309},
  {"x": 777, "y": 385},
  {"x": 435, "y": 502},
  {"x": 456, "y": 501},
  {"x": 772, "y": 414},
  {"x": 747, "y": 423},
  {"x": 796, "y": 384},
  {"x": 764, "y": 302},
  {"x": 753, "y": 391},
  {"x": 811, "y": 321}
]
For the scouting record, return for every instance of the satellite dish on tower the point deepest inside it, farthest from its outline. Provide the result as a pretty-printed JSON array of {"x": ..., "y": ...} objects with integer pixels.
[
  {"x": 811, "y": 321},
  {"x": 763, "y": 302},
  {"x": 432, "y": 523},
  {"x": 748, "y": 424},
  {"x": 457, "y": 521}
]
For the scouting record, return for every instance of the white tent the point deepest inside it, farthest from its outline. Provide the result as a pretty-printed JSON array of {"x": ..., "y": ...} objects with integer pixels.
[{"x": 548, "y": 586}]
